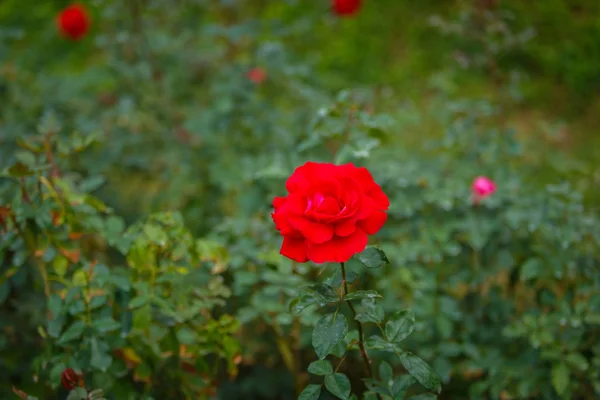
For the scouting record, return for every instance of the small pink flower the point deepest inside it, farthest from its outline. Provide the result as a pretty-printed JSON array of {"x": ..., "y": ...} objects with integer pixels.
[
  {"x": 482, "y": 187},
  {"x": 257, "y": 75}
]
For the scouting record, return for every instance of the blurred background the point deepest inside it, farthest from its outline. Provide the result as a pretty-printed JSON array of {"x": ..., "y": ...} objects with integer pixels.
[{"x": 165, "y": 131}]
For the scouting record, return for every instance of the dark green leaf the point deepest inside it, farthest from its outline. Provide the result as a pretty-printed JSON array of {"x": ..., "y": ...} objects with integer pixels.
[
  {"x": 376, "y": 342},
  {"x": 73, "y": 332},
  {"x": 560, "y": 378},
  {"x": 329, "y": 331},
  {"x": 77, "y": 307},
  {"x": 311, "y": 392},
  {"x": 320, "y": 294},
  {"x": 401, "y": 385},
  {"x": 377, "y": 387},
  {"x": 98, "y": 301},
  {"x": 370, "y": 312},
  {"x": 323, "y": 294},
  {"x": 121, "y": 282},
  {"x": 373, "y": 257},
  {"x": 335, "y": 280},
  {"x": 423, "y": 396},
  {"x": 155, "y": 234},
  {"x": 105, "y": 324},
  {"x": 300, "y": 303},
  {"x": 385, "y": 373},
  {"x": 55, "y": 326},
  {"x": 578, "y": 361},
  {"x": 78, "y": 393},
  {"x": 138, "y": 301},
  {"x": 339, "y": 349},
  {"x": 320, "y": 367},
  {"x": 338, "y": 385},
  {"x": 114, "y": 225},
  {"x": 421, "y": 371},
  {"x": 92, "y": 183},
  {"x": 100, "y": 358},
  {"x": 592, "y": 319},
  {"x": 531, "y": 269},
  {"x": 400, "y": 326},
  {"x": 362, "y": 294},
  {"x": 186, "y": 336}
]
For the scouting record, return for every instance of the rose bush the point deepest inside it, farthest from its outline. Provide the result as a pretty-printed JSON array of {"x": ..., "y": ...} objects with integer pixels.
[
  {"x": 329, "y": 211},
  {"x": 157, "y": 110}
]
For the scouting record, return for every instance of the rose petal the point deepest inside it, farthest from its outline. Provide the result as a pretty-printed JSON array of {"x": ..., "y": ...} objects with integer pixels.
[
  {"x": 312, "y": 231},
  {"x": 307, "y": 175},
  {"x": 373, "y": 223},
  {"x": 345, "y": 228},
  {"x": 363, "y": 177},
  {"x": 327, "y": 187},
  {"x": 294, "y": 249},
  {"x": 380, "y": 198},
  {"x": 278, "y": 202},
  {"x": 294, "y": 204},
  {"x": 338, "y": 249},
  {"x": 367, "y": 207},
  {"x": 329, "y": 206},
  {"x": 282, "y": 224}
]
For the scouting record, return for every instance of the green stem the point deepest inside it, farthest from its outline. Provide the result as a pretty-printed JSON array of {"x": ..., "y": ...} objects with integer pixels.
[
  {"x": 476, "y": 263},
  {"x": 361, "y": 336},
  {"x": 42, "y": 268}
]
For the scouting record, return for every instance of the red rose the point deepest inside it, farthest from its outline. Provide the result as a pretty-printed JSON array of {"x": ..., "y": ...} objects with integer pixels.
[
  {"x": 257, "y": 75},
  {"x": 345, "y": 7},
  {"x": 328, "y": 213},
  {"x": 73, "y": 21},
  {"x": 70, "y": 379}
]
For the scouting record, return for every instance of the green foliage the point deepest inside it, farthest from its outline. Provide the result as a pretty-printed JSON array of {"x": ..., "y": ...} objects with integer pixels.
[
  {"x": 153, "y": 318},
  {"x": 138, "y": 167},
  {"x": 331, "y": 336},
  {"x": 338, "y": 385},
  {"x": 373, "y": 258},
  {"x": 329, "y": 331}
]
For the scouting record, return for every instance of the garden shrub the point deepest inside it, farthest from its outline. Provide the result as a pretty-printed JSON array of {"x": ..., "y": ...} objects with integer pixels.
[{"x": 139, "y": 257}]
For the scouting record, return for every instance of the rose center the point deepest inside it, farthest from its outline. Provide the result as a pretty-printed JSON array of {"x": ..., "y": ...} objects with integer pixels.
[{"x": 324, "y": 204}]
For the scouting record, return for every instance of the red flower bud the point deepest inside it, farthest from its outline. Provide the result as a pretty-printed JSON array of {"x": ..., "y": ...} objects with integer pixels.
[
  {"x": 73, "y": 22},
  {"x": 71, "y": 379}
]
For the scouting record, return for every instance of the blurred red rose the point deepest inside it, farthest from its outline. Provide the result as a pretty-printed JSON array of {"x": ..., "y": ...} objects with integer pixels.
[
  {"x": 71, "y": 379},
  {"x": 257, "y": 75},
  {"x": 73, "y": 22},
  {"x": 345, "y": 7},
  {"x": 328, "y": 213}
]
